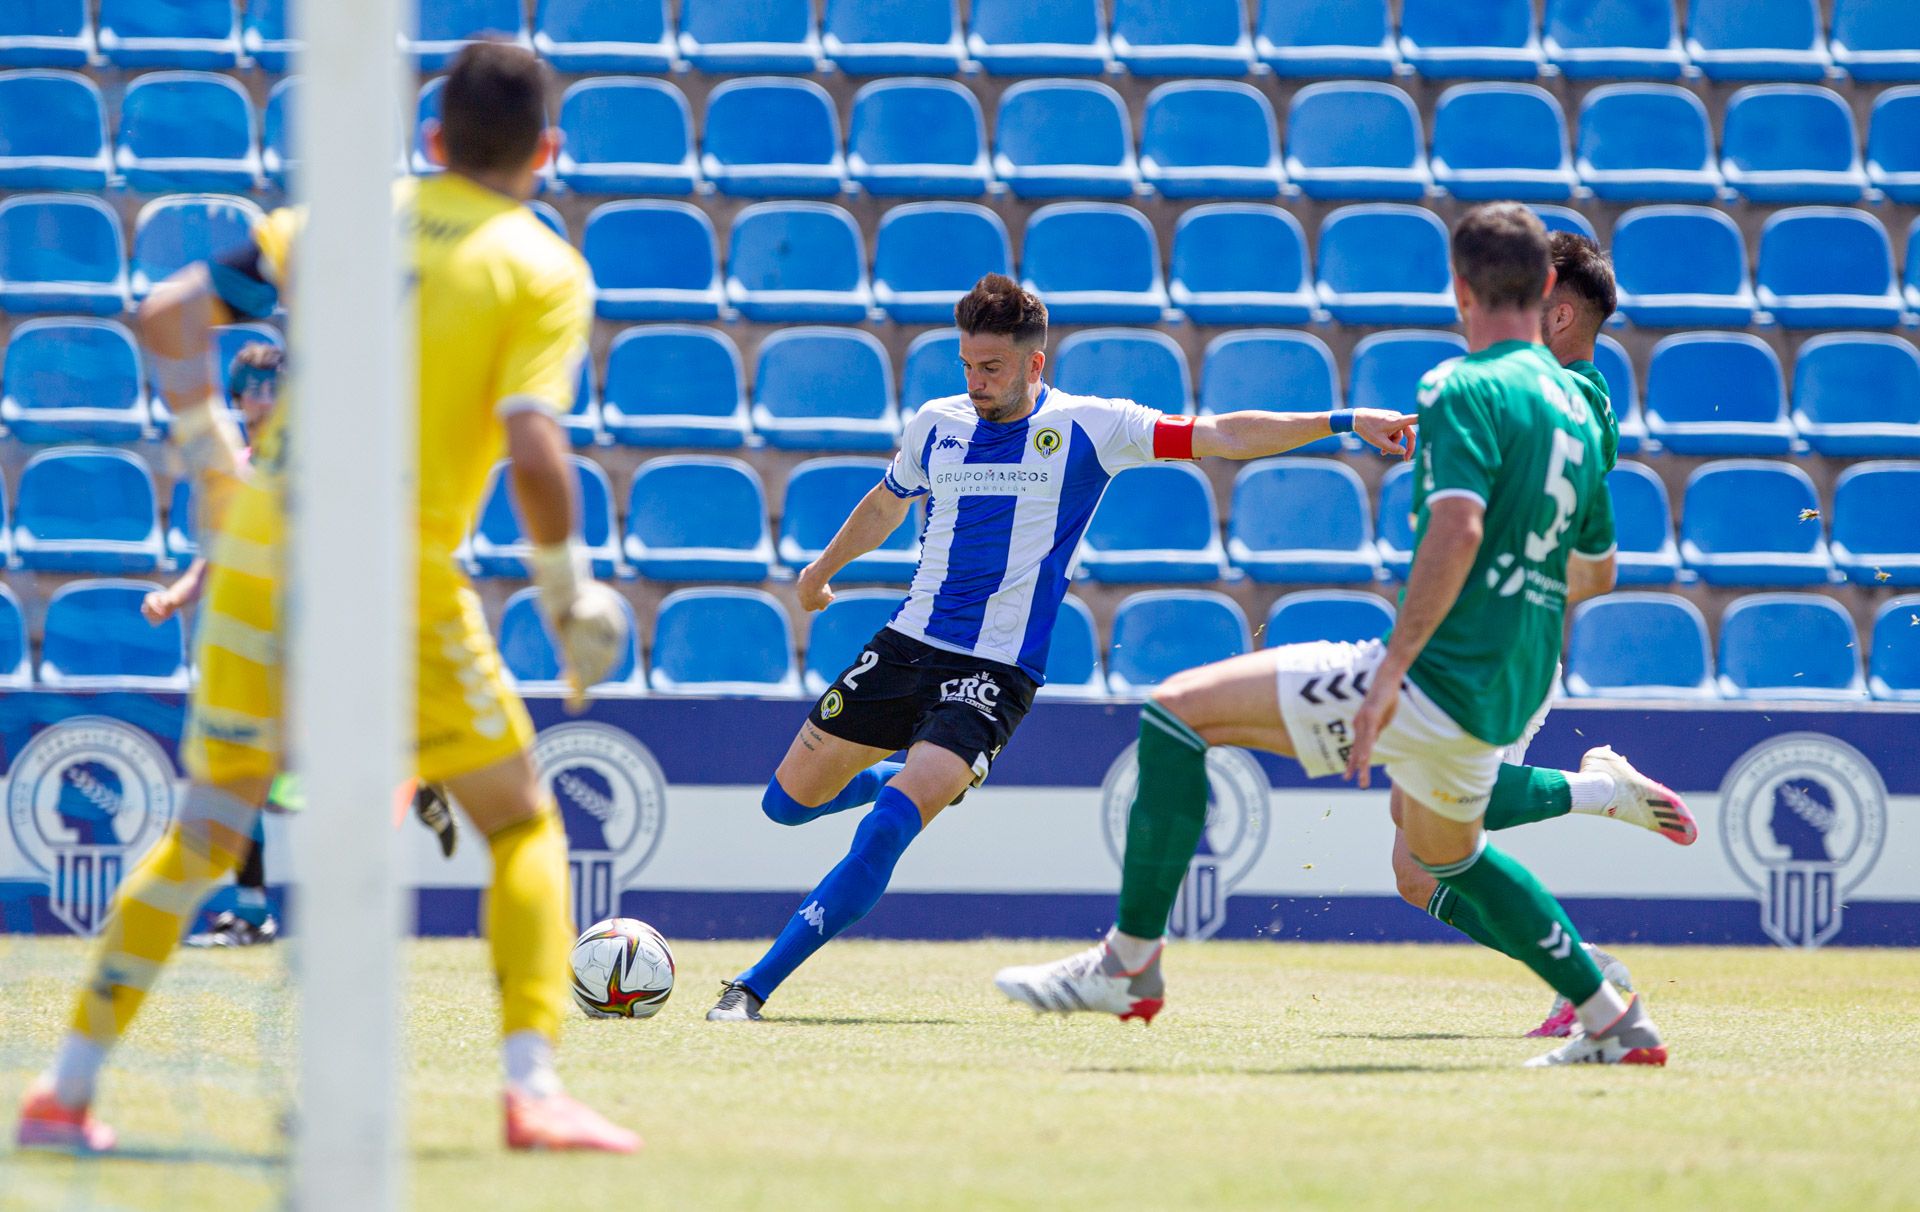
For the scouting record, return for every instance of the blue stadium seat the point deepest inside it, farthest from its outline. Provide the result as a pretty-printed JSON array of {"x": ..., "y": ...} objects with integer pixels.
[
  {"x": 1020, "y": 38},
  {"x": 674, "y": 385},
  {"x": 1564, "y": 218},
  {"x": 1355, "y": 140},
  {"x": 1385, "y": 368},
  {"x": 723, "y": 642},
  {"x": 1858, "y": 393},
  {"x": 278, "y": 154},
  {"x": 898, "y": 38},
  {"x": 927, "y": 254},
  {"x": 46, "y": 33},
  {"x": 1617, "y": 39},
  {"x": 183, "y": 536},
  {"x": 1789, "y": 646},
  {"x": 1753, "y": 522},
  {"x": 1501, "y": 141},
  {"x": 1717, "y": 393},
  {"x": 70, "y": 380},
  {"x": 825, "y": 389},
  {"x": 698, "y": 518},
  {"x": 1385, "y": 263},
  {"x": 1791, "y": 143},
  {"x": 1341, "y": 38},
  {"x": 1875, "y": 40},
  {"x": 533, "y": 665},
  {"x": 94, "y": 638},
  {"x": 61, "y": 252},
  {"x": 582, "y": 420},
  {"x": 836, "y": 635},
  {"x": 1913, "y": 268},
  {"x": 1394, "y": 522},
  {"x": 1241, "y": 263},
  {"x": 444, "y": 26},
  {"x": 1278, "y": 370},
  {"x": 1681, "y": 265},
  {"x": 1639, "y": 646},
  {"x": 1209, "y": 139},
  {"x": 1756, "y": 39},
  {"x": 1643, "y": 524},
  {"x": 426, "y": 109},
  {"x": 53, "y": 132},
  {"x": 1143, "y": 365},
  {"x": 1893, "y": 144},
  {"x": 1155, "y": 523},
  {"x": 1827, "y": 267},
  {"x": 1647, "y": 143},
  {"x": 264, "y": 36},
  {"x": 767, "y": 135},
  {"x": 1182, "y": 37},
  {"x": 177, "y": 230},
  {"x": 1894, "y": 669},
  {"x": 1623, "y": 387},
  {"x": 170, "y": 33},
  {"x": 652, "y": 261},
  {"x": 186, "y": 131},
  {"x": 87, "y": 509},
  {"x": 16, "y": 661},
  {"x": 931, "y": 370},
  {"x": 549, "y": 217},
  {"x": 1073, "y": 659},
  {"x": 628, "y": 135},
  {"x": 1064, "y": 138},
  {"x": 1443, "y": 39},
  {"x": 918, "y": 137},
  {"x": 1875, "y": 541},
  {"x": 595, "y": 36},
  {"x": 1301, "y": 520},
  {"x": 725, "y": 36},
  {"x": 1307, "y": 615},
  {"x": 797, "y": 261},
  {"x": 1094, "y": 263},
  {"x": 1161, "y": 632},
  {"x": 820, "y": 495},
  {"x": 499, "y": 546}
]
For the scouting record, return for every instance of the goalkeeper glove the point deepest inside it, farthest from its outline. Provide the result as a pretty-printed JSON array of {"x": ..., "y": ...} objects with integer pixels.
[{"x": 585, "y": 616}]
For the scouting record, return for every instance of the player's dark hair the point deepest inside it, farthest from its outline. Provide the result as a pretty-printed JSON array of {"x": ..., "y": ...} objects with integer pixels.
[
  {"x": 1501, "y": 250},
  {"x": 493, "y": 107},
  {"x": 997, "y": 305},
  {"x": 1583, "y": 271}
]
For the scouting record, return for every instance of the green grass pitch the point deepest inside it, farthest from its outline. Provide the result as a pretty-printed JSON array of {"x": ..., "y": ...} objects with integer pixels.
[{"x": 893, "y": 1076}]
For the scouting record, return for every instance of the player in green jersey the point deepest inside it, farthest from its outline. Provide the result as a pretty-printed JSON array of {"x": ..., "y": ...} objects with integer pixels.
[{"x": 1509, "y": 488}]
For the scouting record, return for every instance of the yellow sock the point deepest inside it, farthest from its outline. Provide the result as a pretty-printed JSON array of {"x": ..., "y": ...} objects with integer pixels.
[{"x": 529, "y": 922}]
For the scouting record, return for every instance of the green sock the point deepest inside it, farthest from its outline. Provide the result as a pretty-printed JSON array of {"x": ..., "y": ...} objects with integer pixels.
[
  {"x": 1448, "y": 906},
  {"x": 1524, "y": 794},
  {"x": 1169, "y": 811},
  {"x": 1525, "y": 919}
]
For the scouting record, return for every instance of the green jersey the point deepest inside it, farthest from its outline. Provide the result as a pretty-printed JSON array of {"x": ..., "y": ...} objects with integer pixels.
[
  {"x": 1600, "y": 396},
  {"x": 1510, "y": 428}
]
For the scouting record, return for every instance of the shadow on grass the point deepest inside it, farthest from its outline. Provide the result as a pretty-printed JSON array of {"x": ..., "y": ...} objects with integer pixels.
[
  {"x": 1277, "y": 1071},
  {"x": 159, "y": 1155}
]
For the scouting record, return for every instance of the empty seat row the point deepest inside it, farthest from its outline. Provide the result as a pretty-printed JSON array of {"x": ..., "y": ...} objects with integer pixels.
[{"x": 67, "y": 252}]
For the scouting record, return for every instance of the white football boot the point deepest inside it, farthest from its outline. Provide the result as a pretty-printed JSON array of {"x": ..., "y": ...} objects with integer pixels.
[
  {"x": 1639, "y": 800},
  {"x": 1561, "y": 1020},
  {"x": 1631, "y": 1040},
  {"x": 737, "y": 1004},
  {"x": 1092, "y": 980}
]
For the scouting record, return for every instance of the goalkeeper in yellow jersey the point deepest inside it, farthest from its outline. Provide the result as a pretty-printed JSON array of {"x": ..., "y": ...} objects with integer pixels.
[{"x": 503, "y": 311}]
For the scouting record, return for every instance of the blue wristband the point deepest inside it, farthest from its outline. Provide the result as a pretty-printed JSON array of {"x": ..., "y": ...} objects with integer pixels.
[{"x": 1340, "y": 420}]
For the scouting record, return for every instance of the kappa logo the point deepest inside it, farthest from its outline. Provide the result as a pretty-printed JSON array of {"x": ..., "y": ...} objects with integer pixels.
[
  {"x": 979, "y": 692},
  {"x": 613, "y": 802},
  {"x": 949, "y": 442},
  {"x": 1233, "y": 840},
  {"x": 815, "y": 916},
  {"x": 1803, "y": 821}
]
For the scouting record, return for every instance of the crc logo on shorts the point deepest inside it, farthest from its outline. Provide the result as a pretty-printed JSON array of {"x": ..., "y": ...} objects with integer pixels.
[
  {"x": 832, "y": 703},
  {"x": 85, "y": 799},
  {"x": 613, "y": 801},
  {"x": 1232, "y": 842},
  {"x": 979, "y": 692},
  {"x": 1047, "y": 441},
  {"x": 1803, "y": 820}
]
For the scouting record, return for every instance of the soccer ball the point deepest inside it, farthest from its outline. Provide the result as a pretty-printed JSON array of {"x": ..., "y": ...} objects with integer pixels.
[{"x": 622, "y": 968}]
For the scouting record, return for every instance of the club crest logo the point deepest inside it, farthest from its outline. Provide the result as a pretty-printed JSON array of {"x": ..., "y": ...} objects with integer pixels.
[
  {"x": 1232, "y": 842},
  {"x": 1047, "y": 441},
  {"x": 832, "y": 703},
  {"x": 85, "y": 799},
  {"x": 613, "y": 801},
  {"x": 1803, "y": 820}
]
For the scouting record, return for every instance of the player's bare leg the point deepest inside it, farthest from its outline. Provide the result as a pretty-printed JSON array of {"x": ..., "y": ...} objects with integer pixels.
[
  {"x": 529, "y": 932},
  {"x": 824, "y": 774}
]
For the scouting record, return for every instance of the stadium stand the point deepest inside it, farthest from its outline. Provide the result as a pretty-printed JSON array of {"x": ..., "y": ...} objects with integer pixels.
[
  {"x": 1756, "y": 39},
  {"x": 824, "y": 389},
  {"x": 46, "y": 33},
  {"x": 1020, "y": 38},
  {"x": 1789, "y": 646},
  {"x": 1875, "y": 541},
  {"x": 1827, "y": 267},
  {"x": 1160, "y": 632},
  {"x": 1442, "y": 39},
  {"x": 72, "y": 380},
  {"x": 264, "y": 35},
  {"x": 16, "y": 649},
  {"x": 582, "y": 420},
  {"x": 1639, "y": 645},
  {"x": 186, "y": 131},
  {"x": 1307, "y": 615},
  {"x": 1132, "y": 364},
  {"x": 931, "y": 370},
  {"x": 797, "y": 261},
  {"x": 836, "y": 635},
  {"x": 499, "y": 547},
  {"x": 1181, "y": 37},
  {"x": 1281, "y": 370},
  {"x": 1791, "y": 143},
  {"x": 902, "y": 37},
  {"x": 1894, "y": 666},
  {"x": 1681, "y": 265},
  {"x": 1386, "y": 367},
  {"x": 1073, "y": 662},
  {"x": 698, "y": 518},
  {"x": 1210, "y": 139},
  {"x": 1875, "y": 40},
  {"x": 526, "y": 649},
  {"x": 725, "y": 36},
  {"x": 1393, "y": 535},
  {"x": 1093, "y": 263},
  {"x": 1501, "y": 141},
  {"x": 1858, "y": 394},
  {"x": 917, "y": 138},
  {"x": 1314, "y": 38},
  {"x": 447, "y": 25},
  {"x": 1613, "y": 39},
  {"x": 1385, "y": 263},
  {"x": 1564, "y": 218},
  {"x": 1643, "y": 526},
  {"x": 87, "y": 509},
  {"x": 1355, "y": 139},
  {"x": 1301, "y": 521},
  {"x": 1155, "y": 524},
  {"x": 1717, "y": 393},
  {"x": 1241, "y": 263},
  {"x": 769, "y": 136},
  {"x": 626, "y": 136},
  {"x": 652, "y": 261},
  {"x": 1647, "y": 143},
  {"x": 1893, "y": 145},
  {"x": 201, "y": 34},
  {"x": 426, "y": 109},
  {"x": 61, "y": 253},
  {"x": 1064, "y": 138},
  {"x": 178, "y": 229},
  {"x": 1753, "y": 522},
  {"x": 820, "y": 495},
  {"x": 1624, "y": 389},
  {"x": 604, "y": 35},
  {"x": 94, "y": 638},
  {"x": 182, "y": 538},
  {"x": 53, "y": 132},
  {"x": 722, "y": 642},
  {"x": 927, "y": 254},
  {"x": 277, "y": 151},
  {"x": 674, "y": 385},
  {"x": 1913, "y": 270}
]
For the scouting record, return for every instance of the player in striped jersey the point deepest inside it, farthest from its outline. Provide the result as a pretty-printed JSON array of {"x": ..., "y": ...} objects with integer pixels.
[{"x": 1011, "y": 473}]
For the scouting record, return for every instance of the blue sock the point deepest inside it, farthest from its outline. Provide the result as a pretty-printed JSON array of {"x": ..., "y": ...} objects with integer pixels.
[
  {"x": 844, "y": 897},
  {"x": 863, "y": 788}
]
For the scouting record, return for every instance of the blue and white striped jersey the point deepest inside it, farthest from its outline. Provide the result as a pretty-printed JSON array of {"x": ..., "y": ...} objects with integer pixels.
[{"x": 1006, "y": 506}]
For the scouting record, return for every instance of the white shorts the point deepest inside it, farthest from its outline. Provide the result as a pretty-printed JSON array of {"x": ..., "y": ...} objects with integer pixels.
[
  {"x": 1426, "y": 754},
  {"x": 1516, "y": 753}
]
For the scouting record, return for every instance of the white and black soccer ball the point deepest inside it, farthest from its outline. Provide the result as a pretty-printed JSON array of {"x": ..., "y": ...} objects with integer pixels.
[{"x": 622, "y": 968}]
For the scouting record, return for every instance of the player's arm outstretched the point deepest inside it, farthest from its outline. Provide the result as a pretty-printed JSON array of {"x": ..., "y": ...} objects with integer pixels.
[
  {"x": 176, "y": 323},
  {"x": 878, "y": 515},
  {"x": 1255, "y": 435}
]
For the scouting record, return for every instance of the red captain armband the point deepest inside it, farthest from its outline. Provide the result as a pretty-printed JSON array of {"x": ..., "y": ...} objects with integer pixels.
[{"x": 1173, "y": 438}]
